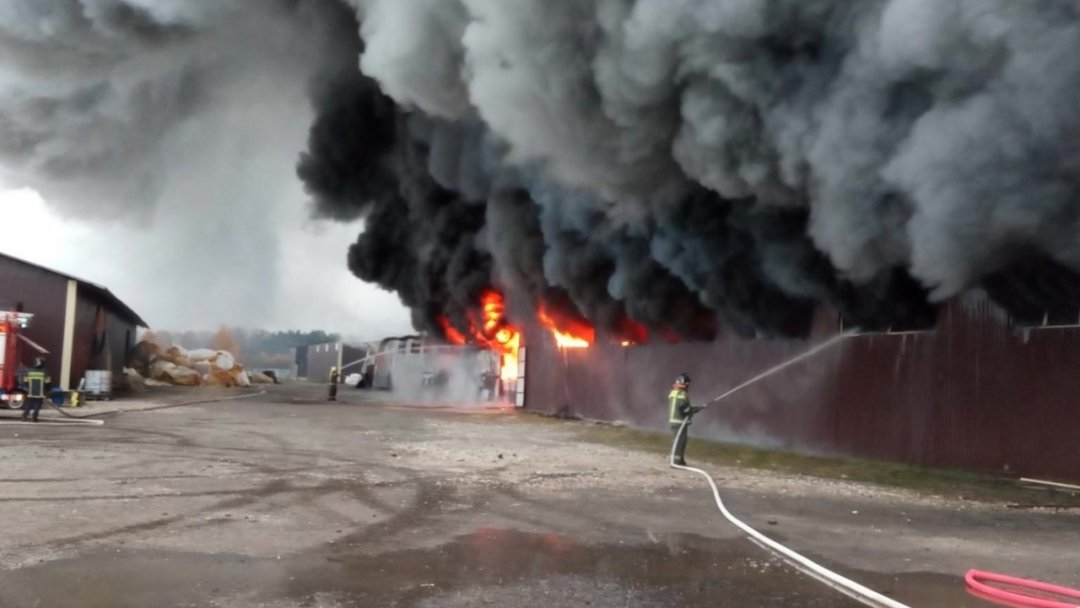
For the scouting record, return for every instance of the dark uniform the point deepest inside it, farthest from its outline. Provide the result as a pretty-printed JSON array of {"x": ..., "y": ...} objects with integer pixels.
[
  {"x": 36, "y": 383},
  {"x": 679, "y": 409},
  {"x": 335, "y": 377}
]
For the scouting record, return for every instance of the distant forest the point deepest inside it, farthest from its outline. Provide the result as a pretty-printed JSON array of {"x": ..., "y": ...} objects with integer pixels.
[{"x": 255, "y": 348}]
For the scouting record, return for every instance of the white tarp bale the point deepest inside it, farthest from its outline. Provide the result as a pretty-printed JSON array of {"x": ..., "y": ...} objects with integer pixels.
[
  {"x": 223, "y": 361},
  {"x": 167, "y": 371},
  {"x": 184, "y": 376},
  {"x": 201, "y": 354},
  {"x": 131, "y": 380},
  {"x": 219, "y": 360},
  {"x": 161, "y": 368}
]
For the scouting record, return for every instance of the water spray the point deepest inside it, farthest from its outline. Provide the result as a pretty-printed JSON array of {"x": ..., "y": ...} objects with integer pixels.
[
  {"x": 783, "y": 365},
  {"x": 802, "y": 563}
]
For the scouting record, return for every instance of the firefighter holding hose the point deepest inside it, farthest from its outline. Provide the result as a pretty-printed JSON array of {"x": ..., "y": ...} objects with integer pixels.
[
  {"x": 335, "y": 377},
  {"x": 35, "y": 383},
  {"x": 679, "y": 410}
]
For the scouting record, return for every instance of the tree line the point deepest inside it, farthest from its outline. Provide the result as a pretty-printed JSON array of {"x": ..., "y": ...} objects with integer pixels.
[{"x": 255, "y": 348}]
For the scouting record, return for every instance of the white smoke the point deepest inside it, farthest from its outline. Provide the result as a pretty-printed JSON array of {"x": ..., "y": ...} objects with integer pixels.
[
  {"x": 172, "y": 127},
  {"x": 95, "y": 92}
]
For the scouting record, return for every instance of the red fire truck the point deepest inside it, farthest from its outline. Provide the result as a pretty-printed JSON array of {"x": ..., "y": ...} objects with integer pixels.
[{"x": 11, "y": 324}]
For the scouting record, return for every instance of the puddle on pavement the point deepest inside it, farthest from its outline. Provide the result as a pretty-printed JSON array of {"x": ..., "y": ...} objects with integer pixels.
[{"x": 490, "y": 567}]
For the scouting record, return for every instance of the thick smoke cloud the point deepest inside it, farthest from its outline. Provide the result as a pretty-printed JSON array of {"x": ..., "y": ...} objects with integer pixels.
[
  {"x": 671, "y": 163},
  {"x": 94, "y": 91},
  {"x": 167, "y": 132},
  {"x": 679, "y": 161},
  {"x": 676, "y": 166}
]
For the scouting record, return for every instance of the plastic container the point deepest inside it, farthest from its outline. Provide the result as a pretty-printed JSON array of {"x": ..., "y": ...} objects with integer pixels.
[{"x": 98, "y": 384}]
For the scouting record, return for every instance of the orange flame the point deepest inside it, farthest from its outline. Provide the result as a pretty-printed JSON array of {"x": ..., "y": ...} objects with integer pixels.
[
  {"x": 630, "y": 332},
  {"x": 492, "y": 331},
  {"x": 578, "y": 336},
  {"x": 499, "y": 335},
  {"x": 453, "y": 336}
]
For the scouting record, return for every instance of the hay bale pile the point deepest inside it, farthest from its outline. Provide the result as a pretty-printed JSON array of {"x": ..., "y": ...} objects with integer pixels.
[{"x": 177, "y": 366}]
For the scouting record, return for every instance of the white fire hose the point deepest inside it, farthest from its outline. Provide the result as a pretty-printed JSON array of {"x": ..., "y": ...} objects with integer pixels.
[{"x": 804, "y": 564}]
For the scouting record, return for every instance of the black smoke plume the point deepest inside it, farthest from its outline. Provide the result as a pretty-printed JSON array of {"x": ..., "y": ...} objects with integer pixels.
[{"x": 680, "y": 166}]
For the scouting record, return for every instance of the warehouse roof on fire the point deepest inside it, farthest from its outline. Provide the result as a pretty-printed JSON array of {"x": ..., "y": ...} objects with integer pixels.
[{"x": 82, "y": 325}]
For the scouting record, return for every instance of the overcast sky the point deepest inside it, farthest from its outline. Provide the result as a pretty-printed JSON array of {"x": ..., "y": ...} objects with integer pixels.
[
  {"x": 161, "y": 161},
  {"x": 180, "y": 275}
]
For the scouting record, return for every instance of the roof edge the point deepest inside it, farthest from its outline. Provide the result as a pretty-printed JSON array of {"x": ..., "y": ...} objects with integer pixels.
[{"x": 100, "y": 290}]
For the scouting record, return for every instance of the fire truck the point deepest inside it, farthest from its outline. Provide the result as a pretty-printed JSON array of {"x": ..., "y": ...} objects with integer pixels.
[{"x": 11, "y": 324}]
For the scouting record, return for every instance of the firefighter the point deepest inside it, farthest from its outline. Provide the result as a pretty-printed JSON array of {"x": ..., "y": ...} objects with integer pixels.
[
  {"x": 679, "y": 409},
  {"x": 35, "y": 383},
  {"x": 335, "y": 377}
]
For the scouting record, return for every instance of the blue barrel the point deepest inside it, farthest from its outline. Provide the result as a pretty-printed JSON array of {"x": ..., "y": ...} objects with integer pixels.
[{"x": 56, "y": 395}]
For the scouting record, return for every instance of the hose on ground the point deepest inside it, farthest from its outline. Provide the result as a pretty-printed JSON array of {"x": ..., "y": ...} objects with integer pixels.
[
  {"x": 87, "y": 420},
  {"x": 80, "y": 419},
  {"x": 804, "y": 564},
  {"x": 1018, "y": 594}
]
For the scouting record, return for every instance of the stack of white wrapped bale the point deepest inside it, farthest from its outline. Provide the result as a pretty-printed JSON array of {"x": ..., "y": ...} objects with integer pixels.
[{"x": 181, "y": 367}]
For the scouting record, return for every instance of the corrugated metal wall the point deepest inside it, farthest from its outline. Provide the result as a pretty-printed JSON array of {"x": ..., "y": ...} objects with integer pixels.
[
  {"x": 439, "y": 374},
  {"x": 320, "y": 358},
  {"x": 43, "y": 294},
  {"x": 120, "y": 336},
  {"x": 973, "y": 393}
]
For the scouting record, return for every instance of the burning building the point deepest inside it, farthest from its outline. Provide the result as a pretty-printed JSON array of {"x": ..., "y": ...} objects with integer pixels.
[
  {"x": 980, "y": 390},
  {"x": 655, "y": 179},
  {"x": 708, "y": 187}
]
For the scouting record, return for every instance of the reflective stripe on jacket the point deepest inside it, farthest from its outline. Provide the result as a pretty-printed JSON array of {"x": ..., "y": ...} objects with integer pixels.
[
  {"x": 679, "y": 406},
  {"x": 35, "y": 384}
]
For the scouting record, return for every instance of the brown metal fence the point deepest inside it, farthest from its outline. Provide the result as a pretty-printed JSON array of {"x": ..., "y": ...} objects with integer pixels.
[{"x": 973, "y": 393}]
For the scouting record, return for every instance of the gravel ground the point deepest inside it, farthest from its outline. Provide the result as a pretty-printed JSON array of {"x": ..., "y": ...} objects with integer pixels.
[{"x": 283, "y": 500}]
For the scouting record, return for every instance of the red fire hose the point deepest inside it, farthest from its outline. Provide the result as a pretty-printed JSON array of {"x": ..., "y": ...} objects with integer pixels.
[{"x": 1019, "y": 594}]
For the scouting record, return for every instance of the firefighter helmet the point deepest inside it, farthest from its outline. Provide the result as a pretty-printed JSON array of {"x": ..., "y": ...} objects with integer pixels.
[{"x": 683, "y": 379}]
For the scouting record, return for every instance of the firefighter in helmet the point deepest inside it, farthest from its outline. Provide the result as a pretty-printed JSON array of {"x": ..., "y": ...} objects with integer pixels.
[
  {"x": 679, "y": 410},
  {"x": 335, "y": 377},
  {"x": 36, "y": 384}
]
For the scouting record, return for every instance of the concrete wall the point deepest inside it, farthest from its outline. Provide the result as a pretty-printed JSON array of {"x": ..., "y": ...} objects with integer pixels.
[{"x": 973, "y": 393}]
